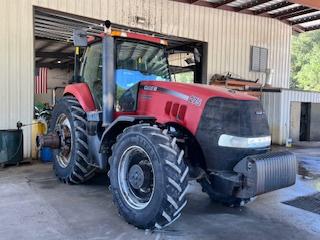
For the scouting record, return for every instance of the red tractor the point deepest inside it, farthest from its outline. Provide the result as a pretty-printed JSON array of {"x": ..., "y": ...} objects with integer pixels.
[{"x": 152, "y": 135}]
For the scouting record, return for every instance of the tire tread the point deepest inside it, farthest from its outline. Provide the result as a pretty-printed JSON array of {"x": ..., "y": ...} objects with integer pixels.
[
  {"x": 81, "y": 170},
  {"x": 175, "y": 172}
]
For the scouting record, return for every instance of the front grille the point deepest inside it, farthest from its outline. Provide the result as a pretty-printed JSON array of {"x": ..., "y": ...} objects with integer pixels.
[{"x": 234, "y": 117}]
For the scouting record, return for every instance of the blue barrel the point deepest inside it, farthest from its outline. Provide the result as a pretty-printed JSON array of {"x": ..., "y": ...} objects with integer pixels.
[
  {"x": 11, "y": 146},
  {"x": 46, "y": 154}
]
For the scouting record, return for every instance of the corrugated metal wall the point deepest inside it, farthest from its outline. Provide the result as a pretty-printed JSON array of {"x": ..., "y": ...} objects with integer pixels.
[
  {"x": 229, "y": 36},
  {"x": 277, "y": 107},
  {"x": 16, "y": 66},
  {"x": 271, "y": 103}
]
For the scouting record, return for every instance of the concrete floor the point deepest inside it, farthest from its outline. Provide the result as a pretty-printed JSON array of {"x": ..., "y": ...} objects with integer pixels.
[{"x": 34, "y": 205}]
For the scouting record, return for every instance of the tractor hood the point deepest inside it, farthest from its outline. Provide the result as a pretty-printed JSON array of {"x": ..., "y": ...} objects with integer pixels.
[
  {"x": 198, "y": 91},
  {"x": 182, "y": 103}
]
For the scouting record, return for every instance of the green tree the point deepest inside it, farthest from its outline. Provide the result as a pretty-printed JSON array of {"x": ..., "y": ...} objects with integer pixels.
[
  {"x": 309, "y": 75},
  {"x": 305, "y": 66}
]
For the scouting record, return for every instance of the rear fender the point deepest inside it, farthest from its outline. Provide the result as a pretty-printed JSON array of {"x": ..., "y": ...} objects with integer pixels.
[{"x": 82, "y": 93}]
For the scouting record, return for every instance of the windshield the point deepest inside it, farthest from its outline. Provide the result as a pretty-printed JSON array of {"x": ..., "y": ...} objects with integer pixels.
[{"x": 140, "y": 61}]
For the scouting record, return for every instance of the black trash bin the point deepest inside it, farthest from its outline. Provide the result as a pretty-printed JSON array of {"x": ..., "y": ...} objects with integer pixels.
[{"x": 11, "y": 146}]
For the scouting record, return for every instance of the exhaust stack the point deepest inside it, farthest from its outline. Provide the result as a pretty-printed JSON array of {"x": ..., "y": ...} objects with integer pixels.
[{"x": 108, "y": 75}]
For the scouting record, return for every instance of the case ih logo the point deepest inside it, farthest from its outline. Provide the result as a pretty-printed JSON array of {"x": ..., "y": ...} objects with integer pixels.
[
  {"x": 150, "y": 88},
  {"x": 191, "y": 99},
  {"x": 195, "y": 100}
]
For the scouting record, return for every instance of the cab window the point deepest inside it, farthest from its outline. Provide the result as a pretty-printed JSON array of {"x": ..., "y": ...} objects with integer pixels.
[
  {"x": 137, "y": 61},
  {"x": 92, "y": 72}
]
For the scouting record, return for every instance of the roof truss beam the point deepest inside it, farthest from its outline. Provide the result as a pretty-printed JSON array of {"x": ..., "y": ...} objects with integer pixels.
[
  {"x": 306, "y": 19},
  {"x": 289, "y": 11},
  {"x": 222, "y": 3},
  {"x": 54, "y": 65},
  {"x": 298, "y": 13},
  {"x": 312, "y": 28},
  {"x": 54, "y": 54},
  {"x": 204, "y": 3},
  {"x": 272, "y": 7},
  {"x": 251, "y": 5}
]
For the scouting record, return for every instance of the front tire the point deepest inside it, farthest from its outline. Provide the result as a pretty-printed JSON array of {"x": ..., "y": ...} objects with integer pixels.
[
  {"x": 70, "y": 162},
  {"x": 148, "y": 177}
]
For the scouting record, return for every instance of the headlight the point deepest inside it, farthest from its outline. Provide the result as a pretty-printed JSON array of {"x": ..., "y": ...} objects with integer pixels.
[{"x": 242, "y": 142}]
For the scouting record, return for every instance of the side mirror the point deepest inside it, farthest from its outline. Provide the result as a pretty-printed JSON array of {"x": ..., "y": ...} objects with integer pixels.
[
  {"x": 197, "y": 55},
  {"x": 79, "y": 38}
]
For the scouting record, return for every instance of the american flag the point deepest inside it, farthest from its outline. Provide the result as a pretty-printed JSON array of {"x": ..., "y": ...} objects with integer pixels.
[{"x": 41, "y": 81}]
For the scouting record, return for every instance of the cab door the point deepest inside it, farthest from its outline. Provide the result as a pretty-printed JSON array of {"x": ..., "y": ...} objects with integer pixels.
[{"x": 91, "y": 72}]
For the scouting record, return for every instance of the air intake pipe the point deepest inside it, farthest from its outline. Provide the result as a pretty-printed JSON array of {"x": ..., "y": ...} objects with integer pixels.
[{"x": 108, "y": 75}]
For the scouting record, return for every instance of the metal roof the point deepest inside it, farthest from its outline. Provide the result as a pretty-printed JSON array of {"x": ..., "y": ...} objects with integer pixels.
[{"x": 302, "y": 15}]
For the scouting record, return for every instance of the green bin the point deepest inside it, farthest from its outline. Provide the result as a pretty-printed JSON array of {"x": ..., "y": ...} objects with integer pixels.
[{"x": 11, "y": 146}]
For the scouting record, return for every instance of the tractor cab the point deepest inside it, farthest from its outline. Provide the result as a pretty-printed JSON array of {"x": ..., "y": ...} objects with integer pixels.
[{"x": 137, "y": 57}]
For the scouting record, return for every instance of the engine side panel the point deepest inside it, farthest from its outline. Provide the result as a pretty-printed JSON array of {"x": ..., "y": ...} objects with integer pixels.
[
  {"x": 168, "y": 107},
  {"x": 82, "y": 93}
]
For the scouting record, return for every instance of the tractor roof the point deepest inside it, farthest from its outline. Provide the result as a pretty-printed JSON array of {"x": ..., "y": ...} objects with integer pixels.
[{"x": 131, "y": 35}]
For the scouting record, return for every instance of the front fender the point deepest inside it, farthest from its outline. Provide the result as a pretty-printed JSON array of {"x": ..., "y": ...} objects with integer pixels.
[
  {"x": 83, "y": 94},
  {"x": 118, "y": 125}
]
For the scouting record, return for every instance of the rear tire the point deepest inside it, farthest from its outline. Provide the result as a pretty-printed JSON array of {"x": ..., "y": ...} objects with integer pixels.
[
  {"x": 75, "y": 168},
  {"x": 161, "y": 204}
]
